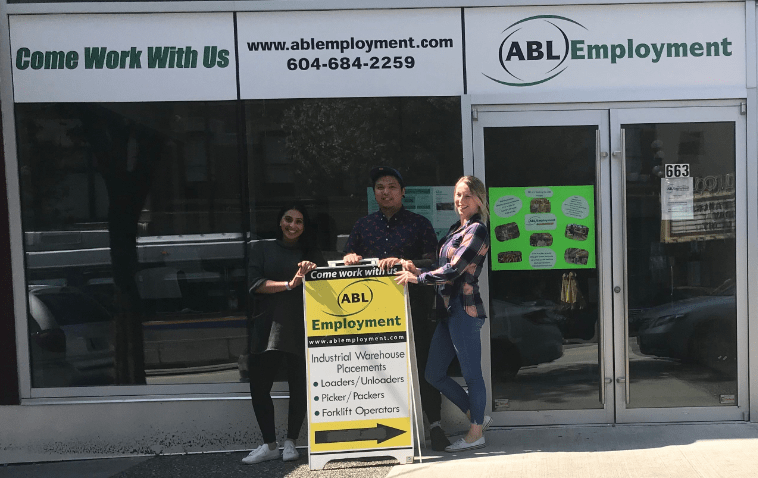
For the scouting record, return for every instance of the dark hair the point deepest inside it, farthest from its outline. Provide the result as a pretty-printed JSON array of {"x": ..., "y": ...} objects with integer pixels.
[{"x": 306, "y": 241}]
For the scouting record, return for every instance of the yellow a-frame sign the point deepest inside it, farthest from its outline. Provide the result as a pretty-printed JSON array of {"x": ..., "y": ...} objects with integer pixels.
[{"x": 358, "y": 362}]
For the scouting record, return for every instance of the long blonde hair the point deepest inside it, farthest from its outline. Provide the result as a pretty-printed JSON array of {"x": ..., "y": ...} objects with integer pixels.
[{"x": 476, "y": 186}]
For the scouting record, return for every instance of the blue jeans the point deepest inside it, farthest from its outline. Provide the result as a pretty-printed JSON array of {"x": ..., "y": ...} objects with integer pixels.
[{"x": 459, "y": 335}]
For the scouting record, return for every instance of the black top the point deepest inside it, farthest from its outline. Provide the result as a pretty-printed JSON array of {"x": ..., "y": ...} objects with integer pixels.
[{"x": 278, "y": 322}]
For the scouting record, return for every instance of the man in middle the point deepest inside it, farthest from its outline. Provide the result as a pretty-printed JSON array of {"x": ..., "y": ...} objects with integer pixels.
[{"x": 394, "y": 234}]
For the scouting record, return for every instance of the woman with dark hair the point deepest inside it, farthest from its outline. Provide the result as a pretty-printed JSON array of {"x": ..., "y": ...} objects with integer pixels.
[{"x": 276, "y": 271}]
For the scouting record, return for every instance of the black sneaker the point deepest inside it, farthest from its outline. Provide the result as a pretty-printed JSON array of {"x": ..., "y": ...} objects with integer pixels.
[{"x": 439, "y": 439}]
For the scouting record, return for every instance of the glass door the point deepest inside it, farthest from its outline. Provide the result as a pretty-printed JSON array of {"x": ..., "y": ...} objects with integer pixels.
[
  {"x": 679, "y": 222},
  {"x": 616, "y": 281},
  {"x": 548, "y": 284}
]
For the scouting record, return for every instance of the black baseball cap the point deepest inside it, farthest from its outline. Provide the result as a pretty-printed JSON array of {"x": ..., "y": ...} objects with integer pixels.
[{"x": 382, "y": 171}]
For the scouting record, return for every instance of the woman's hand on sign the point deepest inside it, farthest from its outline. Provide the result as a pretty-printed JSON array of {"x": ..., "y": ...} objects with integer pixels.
[
  {"x": 410, "y": 267},
  {"x": 405, "y": 277},
  {"x": 303, "y": 268},
  {"x": 351, "y": 259},
  {"x": 388, "y": 263}
]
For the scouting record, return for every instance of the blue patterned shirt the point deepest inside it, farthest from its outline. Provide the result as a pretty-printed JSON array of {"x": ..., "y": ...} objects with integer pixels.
[
  {"x": 406, "y": 235},
  {"x": 460, "y": 262}
]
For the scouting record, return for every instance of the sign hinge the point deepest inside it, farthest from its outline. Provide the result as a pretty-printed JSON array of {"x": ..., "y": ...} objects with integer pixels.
[
  {"x": 474, "y": 114},
  {"x": 743, "y": 108}
]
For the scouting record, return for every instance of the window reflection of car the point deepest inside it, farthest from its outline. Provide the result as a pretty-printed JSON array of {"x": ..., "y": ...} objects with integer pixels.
[
  {"x": 70, "y": 338},
  {"x": 637, "y": 315},
  {"x": 524, "y": 333},
  {"x": 700, "y": 329}
]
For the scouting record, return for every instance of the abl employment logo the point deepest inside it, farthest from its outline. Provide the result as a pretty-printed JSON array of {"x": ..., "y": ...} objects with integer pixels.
[
  {"x": 535, "y": 50},
  {"x": 355, "y": 297}
]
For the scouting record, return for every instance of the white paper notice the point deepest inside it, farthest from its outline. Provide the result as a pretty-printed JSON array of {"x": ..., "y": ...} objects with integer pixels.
[{"x": 676, "y": 199}]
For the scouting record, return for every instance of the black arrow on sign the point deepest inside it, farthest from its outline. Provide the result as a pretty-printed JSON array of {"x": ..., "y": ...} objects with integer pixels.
[{"x": 380, "y": 433}]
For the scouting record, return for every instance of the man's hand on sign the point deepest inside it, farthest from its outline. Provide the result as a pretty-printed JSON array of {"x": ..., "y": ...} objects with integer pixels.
[
  {"x": 405, "y": 277},
  {"x": 351, "y": 259},
  {"x": 387, "y": 263}
]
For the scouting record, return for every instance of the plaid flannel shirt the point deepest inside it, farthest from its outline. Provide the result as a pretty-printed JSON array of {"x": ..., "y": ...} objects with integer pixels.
[{"x": 460, "y": 262}]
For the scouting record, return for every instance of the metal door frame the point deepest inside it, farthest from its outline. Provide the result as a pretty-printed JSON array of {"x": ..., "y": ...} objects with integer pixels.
[
  {"x": 599, "y": 117},
  {"x": 611, "y": 248},
  {"x": 685, "y": 114}
]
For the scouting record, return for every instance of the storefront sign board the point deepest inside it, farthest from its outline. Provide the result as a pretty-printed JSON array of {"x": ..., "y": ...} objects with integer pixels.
[
  {"x": 542, "y": 227},
  {"x": 355, "y": 53},
  {"x": 604, "y": 47},
  {"x": 359, "y": 375},
  {"x": 123, "y": 58}
]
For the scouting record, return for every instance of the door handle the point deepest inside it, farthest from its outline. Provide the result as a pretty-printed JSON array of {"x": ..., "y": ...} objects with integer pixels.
[
  {"x": 621, "y": 380},
  {"x": 616, "y": 154}
]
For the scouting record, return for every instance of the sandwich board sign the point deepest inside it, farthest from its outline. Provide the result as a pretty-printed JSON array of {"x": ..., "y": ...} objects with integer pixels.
[{"x": 358, "y": 365}]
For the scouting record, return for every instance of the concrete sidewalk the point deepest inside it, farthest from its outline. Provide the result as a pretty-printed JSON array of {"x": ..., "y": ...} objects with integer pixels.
[
  {"x": 728, "y": 450},
  {"x": 723, "y": 450}
]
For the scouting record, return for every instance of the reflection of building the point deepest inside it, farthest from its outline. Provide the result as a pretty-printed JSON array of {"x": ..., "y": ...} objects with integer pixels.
[{"x": 713, "y": 218}]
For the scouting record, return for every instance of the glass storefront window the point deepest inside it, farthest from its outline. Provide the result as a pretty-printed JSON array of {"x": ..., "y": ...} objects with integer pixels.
[
  {"x": 321, "y": 150},
  {"x": 136, "y": 218},
  {"x": 132, "y": 216}
]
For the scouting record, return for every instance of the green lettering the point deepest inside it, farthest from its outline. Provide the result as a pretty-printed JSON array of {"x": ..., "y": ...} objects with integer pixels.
[
  {"x": 22, "y": 58},
  {"x": 72, "y": 60},
  {"x": 157, "y": 57},
  {"x": 223, "y": 58},
  {"x": 597, "y": 51},
  {"x": 657, "y": 52},
  {"x": 94, "y": 57},
  {"x": 725, "y": 47},
  {"x": 676, "y": 49},
  {"x": 54, "y": 60},
  {"x": 617, "y": 51},
  {"x": 696, "y": 49},
  {"x": 577, "y": 49}
]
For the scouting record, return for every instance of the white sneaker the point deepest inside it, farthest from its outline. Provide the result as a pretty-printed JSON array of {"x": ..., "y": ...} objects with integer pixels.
[
  {"x": 290, "y": 452},
  {"x": 461, "y": 445},
  {"x": 487, "y": 423},
  {"x": 262, "y": 453}
]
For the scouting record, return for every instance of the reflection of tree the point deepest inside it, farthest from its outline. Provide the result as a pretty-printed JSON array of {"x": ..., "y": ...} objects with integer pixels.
[
  {"x": 126, "y": 154},
  {"x": 331, "y": 142},
  {"x": 48, "y": 147}
]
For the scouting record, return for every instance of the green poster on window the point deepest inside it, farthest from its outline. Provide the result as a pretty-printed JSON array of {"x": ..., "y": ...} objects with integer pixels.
[{"x": 542, "y": 228}]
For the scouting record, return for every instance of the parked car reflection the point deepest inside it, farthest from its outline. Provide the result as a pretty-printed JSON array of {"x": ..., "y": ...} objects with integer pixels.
[
  {"x": 701, "y": 330},
  {"x": 524, "y": 333},
  {"x": 70, "y": 338}
]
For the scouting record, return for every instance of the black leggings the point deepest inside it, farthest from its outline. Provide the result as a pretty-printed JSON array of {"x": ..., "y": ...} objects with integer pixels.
[{"x": 262, "y": 371}]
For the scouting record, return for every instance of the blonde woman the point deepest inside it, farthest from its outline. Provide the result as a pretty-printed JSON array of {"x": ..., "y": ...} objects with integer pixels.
[{"x": 461, "y": 259}]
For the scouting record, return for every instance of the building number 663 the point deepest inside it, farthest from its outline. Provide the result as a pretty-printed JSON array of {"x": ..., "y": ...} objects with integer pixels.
[{"x": 677, "y": 170}]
